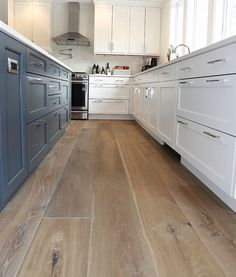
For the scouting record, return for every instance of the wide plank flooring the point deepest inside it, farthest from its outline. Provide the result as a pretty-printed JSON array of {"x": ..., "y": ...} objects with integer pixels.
[{"x": 109, "y": 201}]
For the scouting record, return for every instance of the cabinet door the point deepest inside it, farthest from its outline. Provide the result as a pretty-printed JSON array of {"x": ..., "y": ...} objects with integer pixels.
[
  {"x": 152, "y": 31},
  {"x": 102, "y": 29},
  {"x": 42, "y": 24},
  {"x": 53, "y": 127},
  {"x": 120, "y": 30},
  {"x": 137, "y": 30},
  {"x": 135, "y": 102},
  {"x": 23, "y": 18},
  {"x": 152, "y": 108},
  {"x": 140, "y": 109},
  {"x": 167, "y": 111},
  {"x": 13, "y": 165}
]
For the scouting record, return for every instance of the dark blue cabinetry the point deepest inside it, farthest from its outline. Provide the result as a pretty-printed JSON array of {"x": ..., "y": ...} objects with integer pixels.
[
  {"x": 13, "y": 158},
  {"x": 34, "y": 110}
]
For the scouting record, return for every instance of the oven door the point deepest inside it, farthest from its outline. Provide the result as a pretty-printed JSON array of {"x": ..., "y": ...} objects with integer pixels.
[{"x": 79, "y": 97}]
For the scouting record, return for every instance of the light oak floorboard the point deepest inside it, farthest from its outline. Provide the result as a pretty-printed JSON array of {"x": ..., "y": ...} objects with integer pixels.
[
  {"x": 73, "y": 196},
  {"x": 21, "y": 218},
  {"x": 177, "y": 247},
  {"x": 118, "y": 245},
  {"x": 60, "y": 248}
]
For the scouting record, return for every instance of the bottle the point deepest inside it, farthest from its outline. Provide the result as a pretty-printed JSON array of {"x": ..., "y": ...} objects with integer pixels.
[
  {"x": 94, "y": 69},
  {"x": 108, "y": 70},
  {"x": 97, "y": 69},
  {"x": 103, "y": 70}
]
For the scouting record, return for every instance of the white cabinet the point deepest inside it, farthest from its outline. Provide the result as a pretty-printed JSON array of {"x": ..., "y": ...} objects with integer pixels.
[
  {"x": 33, "y": 20},
  {"x": 137, "y": 30},
  {"x": 208, "y": 150},
  {"x": 108, "y": 106},
  {"x": 152, "y": 107},
  {"x": 167, "y": 111},
  {"x": 120, "y": 30},
  {"x": 103, "y": 29},
  {"x": 134, "y": 104},
  {"x": 152, "y": 31}
]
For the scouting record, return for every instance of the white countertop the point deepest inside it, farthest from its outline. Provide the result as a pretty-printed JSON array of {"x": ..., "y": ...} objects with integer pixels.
[
  {"x": 208, "y": 48},
  {"x": 12, "y": 33},
  {"x": 104, "y": 75}
]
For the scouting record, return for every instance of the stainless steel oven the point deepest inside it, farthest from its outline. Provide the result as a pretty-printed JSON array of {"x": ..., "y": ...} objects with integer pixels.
[{"x": 80, "y": 95}]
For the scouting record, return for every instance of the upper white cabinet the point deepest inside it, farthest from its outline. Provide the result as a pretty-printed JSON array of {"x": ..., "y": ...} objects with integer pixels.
[
  {"x": 103, "y": 29},
  {"x": 137, "y": 30},
  {"x": 152, "y": 31},
  {"x": 126, "y": 30},
  {"x": 33, "y": 20}
]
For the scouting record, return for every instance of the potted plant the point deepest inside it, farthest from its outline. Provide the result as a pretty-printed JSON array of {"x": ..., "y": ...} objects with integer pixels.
[{"x": 171, "y": 53}]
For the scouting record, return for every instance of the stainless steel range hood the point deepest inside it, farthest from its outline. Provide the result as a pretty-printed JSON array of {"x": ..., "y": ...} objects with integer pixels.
[{"x": 73, "y": 37}]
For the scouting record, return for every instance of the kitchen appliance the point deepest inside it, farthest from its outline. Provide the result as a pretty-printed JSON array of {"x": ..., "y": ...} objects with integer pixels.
[
  {"x": 80, "y": 95},
  {"x": 149, "y": 63}
]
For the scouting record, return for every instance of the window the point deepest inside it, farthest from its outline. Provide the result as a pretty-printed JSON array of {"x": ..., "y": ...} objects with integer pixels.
[
  {"x": 224, "y": 21},
  {"x": 176, "y": 22}
]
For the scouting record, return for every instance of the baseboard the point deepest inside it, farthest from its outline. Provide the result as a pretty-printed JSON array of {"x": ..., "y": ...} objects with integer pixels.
[
  {"x": 229, "y": 201},
  {"x": 111, "y": 116}
]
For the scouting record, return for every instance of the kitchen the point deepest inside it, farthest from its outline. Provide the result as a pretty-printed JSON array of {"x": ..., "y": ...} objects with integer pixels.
[{"x": 117, "y": 138}]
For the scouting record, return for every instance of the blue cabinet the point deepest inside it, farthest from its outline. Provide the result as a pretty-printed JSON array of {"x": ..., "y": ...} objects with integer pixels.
[{"x": 13, "y": 157}]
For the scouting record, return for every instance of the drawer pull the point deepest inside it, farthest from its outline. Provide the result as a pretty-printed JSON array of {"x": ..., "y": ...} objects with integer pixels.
[
  {"x": 183, "y": 123},
  {"x": 216, "y": 61},
  {"x": 52, "y": 86},
  {"x": 211, "y": 135},
  {"x": 186, "y": 68},
  {"x": 54, "y": 103},
  {"x": 165, "y": 73},
  {"x": 38, "y": 63},
  {"x": 213, "y": 81},
  {"x": 183, "y": 83},
  {"x": 119, "y": 81},
  {"x": 39, "y": 123},
  {"x": 34, "y": 79}
]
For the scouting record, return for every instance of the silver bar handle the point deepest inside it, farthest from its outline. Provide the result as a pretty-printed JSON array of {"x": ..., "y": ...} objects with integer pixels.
[
  {"x": 34, "y": 79},
  {"x": 216, "y": 61},
  {"x": 165, "y": 73},
  {"x": 186, "y": 68},
  {"x": 211, "y": 135},
  {"x": 39, "y": 123},
  {"x": 52, "y": 86},
  {"x": 183, "y": 123}
]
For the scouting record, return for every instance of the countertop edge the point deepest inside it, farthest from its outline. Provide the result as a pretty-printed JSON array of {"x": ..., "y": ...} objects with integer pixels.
[{"x": 15, "y": 35}]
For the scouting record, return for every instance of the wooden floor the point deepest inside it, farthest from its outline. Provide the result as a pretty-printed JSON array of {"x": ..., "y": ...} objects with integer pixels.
[{"x": 109, "y": 201}]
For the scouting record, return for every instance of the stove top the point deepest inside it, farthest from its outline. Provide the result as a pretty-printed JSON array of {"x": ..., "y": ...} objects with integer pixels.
[{"x": 80, "y": 76}]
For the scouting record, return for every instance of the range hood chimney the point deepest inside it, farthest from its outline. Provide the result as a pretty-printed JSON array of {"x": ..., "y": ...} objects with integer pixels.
[{"x": 73, "y": 37}]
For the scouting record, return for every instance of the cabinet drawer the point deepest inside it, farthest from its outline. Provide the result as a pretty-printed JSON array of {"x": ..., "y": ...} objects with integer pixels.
[
  {"x": 54, "y": 102},
  {"x": 36, "y": 63},
  {"x": 37, "y": 142},
  {"x": 168, "y": 73},
  {"x": 109, "y": 91},
  {"x": 36, "y": 97},
  {"x": 54, "y": 70},
  {"x": 216, "y": 62},
  {"x": 54, "y": 87},
  {"x": 209, "y": 101},
  {"x": 53, "y": 127},
  {"x": 64, "y": 116},
  {"x": 65, "y": 93},
  {"x": 109, "y": 80},
  {"x": 65, "y": 74},
  {"x": 149, "y": 77},
  {"x": 210, "y": 151},
  {"x": 102, "y": 106}
]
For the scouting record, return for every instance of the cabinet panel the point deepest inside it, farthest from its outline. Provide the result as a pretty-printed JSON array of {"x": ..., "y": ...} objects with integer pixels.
[
  {"x": 36, "y": 63},
  {"x": 210, "y": 151},
  {"x": 36, "y": 97},
  {"x": 102, "y": 28},
  {"x": 103, "y": 106},
  {"x": 65, "y": 93},
  {"x": 152, "y": 31},
  {"x": 109, "y": 91},
  {"x": 137, "y": 30},
  {"x": 53, "y": 127},
  {"x": 120, "y": 30},
  {"x": 64, "y": 116},
  {"x": 167, "y": 111},
  {"x": 152, "y": 95},
  {"x": 134, "y": 104},
  {"x": 23, "y": 18}
]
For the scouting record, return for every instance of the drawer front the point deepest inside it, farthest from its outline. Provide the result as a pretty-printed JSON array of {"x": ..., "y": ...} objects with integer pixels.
[
  {"x": 65, "y": 93},
  {"x": 54, "y": 70},
  {"x": 168, "y": 73},
  {"x": 102, "y": 106},
  {"x": 65, "y": 74},
  {"x": 36, "y": 97},
  {"x": 37, "y": 142},
  {"x": 216, "y": 62},
  {"x": 109, "y": 91},
  {"x": 149, "y": 77},
  {"x": 53, "y": 127},
  {"x": 64, "y": 116},
  {"x": 36, "y": 63},
  {"x": 211, "y": 152},
  {"x": 54, "y": 87},
  {"x": 109, "y": 80},
  {"x": 54, "y": 102},
  {"x": 209, "y": 101}
]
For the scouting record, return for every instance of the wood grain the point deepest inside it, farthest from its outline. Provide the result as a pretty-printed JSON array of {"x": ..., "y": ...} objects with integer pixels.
[
  {"x": 73, "y": 196},
  {"x": 177, "y": 247},
  {"x": 119, "y": 247},
  {"x": 60, "y": 248},
  {"x": 21, "y": 218}
]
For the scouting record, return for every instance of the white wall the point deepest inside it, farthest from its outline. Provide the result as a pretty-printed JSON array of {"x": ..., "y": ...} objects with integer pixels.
[
  {"x": 83, "y": 57},
  {"x": 3, "y": 10},
  {"x": 165, "y": 27}
]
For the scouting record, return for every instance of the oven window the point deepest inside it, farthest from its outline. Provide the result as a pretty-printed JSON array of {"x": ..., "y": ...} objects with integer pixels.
[{"x": 79, "y": 95}]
